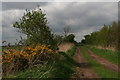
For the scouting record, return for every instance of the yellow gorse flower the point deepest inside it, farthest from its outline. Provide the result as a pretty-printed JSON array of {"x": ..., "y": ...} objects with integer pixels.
[
  {"x": 34, "y": 53},
  {"x": 25, "y": 52}
]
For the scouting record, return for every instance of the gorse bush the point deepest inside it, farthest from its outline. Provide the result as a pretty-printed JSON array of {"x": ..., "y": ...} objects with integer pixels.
[
  {"x": 62, "y": 68},
  {"x": 26, "y": 57}
]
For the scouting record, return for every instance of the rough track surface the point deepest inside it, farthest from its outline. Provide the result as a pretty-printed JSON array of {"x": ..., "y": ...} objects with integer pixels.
[
  {"x": 103, "y": 61},
  {"x": 83, "y": 70}
]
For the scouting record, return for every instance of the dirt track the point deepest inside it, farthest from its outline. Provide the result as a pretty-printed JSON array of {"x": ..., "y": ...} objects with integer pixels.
[
  {"x": 103, "y": 61},
  {"x": 82, "y": 68}
]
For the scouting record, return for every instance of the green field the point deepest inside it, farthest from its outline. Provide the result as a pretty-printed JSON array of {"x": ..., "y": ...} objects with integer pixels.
[{"x": 0, "y": 48}]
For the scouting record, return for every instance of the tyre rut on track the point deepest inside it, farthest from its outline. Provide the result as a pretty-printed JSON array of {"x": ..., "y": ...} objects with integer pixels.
[
  {"x": 102, "y": 61},
  {"x": 83, "y": 69}
]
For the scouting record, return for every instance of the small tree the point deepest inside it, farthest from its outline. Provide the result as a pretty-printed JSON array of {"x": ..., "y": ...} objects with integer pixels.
[
  {"x": 34, "y": 25},
  {"x": 69, "y": 38}
]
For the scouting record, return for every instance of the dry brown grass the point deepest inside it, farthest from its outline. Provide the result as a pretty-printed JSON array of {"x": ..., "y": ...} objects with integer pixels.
[
  {"x": 107, "y": 48},
  {"x": 65, "y": 46}
]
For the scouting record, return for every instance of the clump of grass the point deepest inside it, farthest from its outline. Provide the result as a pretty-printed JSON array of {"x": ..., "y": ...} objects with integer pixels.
[
  {"x": 98, "y": 68},
  {"x": 71, "y": 52},
  {"x": 65, "y": 67},
  {"x": 39, "y": 71}
]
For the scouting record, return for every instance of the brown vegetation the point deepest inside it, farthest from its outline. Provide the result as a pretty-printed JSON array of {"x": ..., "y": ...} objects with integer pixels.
[{"x": 65, "y": 46}]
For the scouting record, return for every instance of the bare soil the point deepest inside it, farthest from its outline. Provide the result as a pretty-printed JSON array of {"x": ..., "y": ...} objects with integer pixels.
[
  {"x": 83, "y": 69},
  {"x": 65, "y": 46},
  {"x": 103, "y": 61}
]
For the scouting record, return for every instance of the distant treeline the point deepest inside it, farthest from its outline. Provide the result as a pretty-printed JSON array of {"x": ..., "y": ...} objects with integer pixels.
[{"x": 107, "y": 36}]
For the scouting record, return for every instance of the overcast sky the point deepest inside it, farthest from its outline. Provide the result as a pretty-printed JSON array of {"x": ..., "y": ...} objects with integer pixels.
[{"x": 82, "y": 17}]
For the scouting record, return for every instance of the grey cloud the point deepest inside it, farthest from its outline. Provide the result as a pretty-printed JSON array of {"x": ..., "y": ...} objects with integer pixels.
[
  {"x": 10, "y": 34},
  {"x": 21, "y": 5},
  {"x": 83, "y": 18}
]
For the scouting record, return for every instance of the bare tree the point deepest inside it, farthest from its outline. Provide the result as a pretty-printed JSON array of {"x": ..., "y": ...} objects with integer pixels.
[{"x": 66, "y": 30}]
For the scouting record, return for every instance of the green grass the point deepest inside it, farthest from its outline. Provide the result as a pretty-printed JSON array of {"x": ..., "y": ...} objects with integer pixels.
[
  {"x": 0, "y": 48},
  {"x": 71, "y": 52},
  {"x": 40, "y": 71},
  {"x": 98, "y": 68},
  {"x": 60, "y": 69},
  {"x": 107, "y": 54}
]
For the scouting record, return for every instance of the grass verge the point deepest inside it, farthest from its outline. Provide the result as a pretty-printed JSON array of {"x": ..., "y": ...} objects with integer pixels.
[
  {"x": 98, "y": 68},
  {"x": 109, "y": 55}
]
